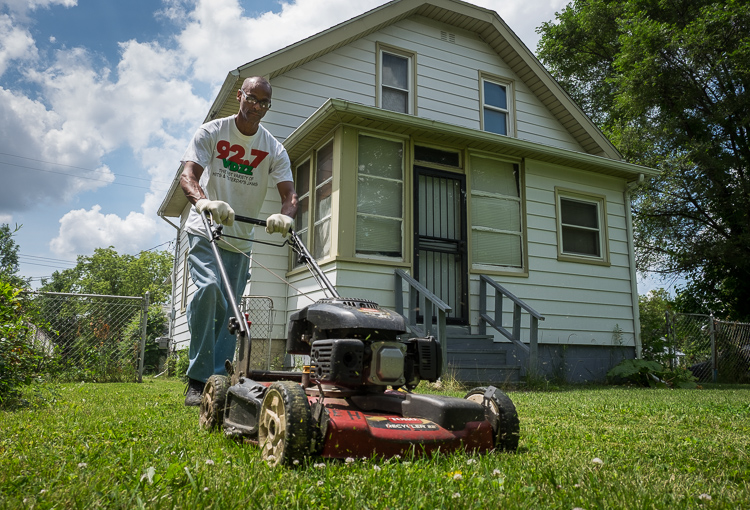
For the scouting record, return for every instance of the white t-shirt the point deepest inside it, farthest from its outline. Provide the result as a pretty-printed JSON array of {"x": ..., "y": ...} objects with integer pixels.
[{"x": 236, "y": 169}]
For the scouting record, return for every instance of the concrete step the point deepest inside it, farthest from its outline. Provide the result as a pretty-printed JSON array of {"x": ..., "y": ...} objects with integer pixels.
[
  {"x": 479, "y": 359},
  {"x": 482, "y": 375}
]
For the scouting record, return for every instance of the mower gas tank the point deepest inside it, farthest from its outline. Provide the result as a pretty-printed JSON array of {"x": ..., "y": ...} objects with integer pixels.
[
  {"x": 342, "y": 318},
  {"x": 335, "y": 314}
]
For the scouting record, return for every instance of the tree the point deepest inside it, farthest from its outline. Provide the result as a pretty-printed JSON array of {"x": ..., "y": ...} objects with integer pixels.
[
  {"x": 108, "y": 273},
  {"x": 9, "y": 257},
  {"x": 669, "y": 83},
  {"x": 653, "y": 308}
]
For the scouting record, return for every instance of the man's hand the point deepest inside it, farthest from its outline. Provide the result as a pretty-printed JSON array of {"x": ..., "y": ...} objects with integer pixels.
[
  {"x": 280, "y": 223},
  {"x": 221, "y": 212}
]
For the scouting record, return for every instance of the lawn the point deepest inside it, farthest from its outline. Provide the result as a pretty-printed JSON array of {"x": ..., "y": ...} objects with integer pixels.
[{"x": 136, "y": 445}]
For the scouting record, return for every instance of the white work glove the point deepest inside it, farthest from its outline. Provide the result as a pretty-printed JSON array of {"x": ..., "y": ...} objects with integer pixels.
[
  {"x": 280, "y": 223},
  {"x": 221, "y": 212}
]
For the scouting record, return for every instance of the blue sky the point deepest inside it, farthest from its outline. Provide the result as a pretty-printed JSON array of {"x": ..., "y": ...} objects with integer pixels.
[{"x": 98, "y": 99}]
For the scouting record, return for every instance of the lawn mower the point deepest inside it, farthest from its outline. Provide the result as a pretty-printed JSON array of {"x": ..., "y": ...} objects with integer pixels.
[{"x": 355, "y": 397}]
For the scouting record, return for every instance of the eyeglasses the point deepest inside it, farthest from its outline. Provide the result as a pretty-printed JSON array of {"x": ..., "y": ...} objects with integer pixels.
[{"x": 253, "y": 101}]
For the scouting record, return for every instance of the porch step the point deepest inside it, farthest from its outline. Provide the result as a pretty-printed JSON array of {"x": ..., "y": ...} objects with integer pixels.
[{"x": 479, "y": 359}]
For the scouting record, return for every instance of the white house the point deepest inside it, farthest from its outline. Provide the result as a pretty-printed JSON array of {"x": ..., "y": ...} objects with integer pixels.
[{"x": 426, "y": 138}]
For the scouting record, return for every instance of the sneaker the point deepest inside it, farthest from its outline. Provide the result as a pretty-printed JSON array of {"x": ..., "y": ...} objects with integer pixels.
[{"x": 194, "y": 392}]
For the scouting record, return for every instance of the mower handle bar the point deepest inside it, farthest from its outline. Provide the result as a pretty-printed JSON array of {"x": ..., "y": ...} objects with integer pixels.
[{"x": 297, "y": 246}]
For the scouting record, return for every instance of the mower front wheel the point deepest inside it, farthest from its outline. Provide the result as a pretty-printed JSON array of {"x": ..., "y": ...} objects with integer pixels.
[
  {"x": 284, "y": 426},
  {"x": 501, "y": 412},
  {"x": 212, "y": 402}
]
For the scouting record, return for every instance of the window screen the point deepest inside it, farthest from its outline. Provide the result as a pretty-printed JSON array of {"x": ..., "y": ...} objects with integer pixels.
[
  {"x": 496, "y": 222},
  {"x": 495, "y": 109},
  {"x": 322, "y": 215},
  {"x": 395, "y": 83},
  {"x": 379, "y": 197},
  {"x": 580, "y": 227}
]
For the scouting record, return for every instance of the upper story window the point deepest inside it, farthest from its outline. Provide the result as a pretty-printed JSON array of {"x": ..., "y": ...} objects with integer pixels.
[
  {"x": 582, "y": 227},
  {"x": 396, "y": 87},
  {"x": 497, "y": 107}
]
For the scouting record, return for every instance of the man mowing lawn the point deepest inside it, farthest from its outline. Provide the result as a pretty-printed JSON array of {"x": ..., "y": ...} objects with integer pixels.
[{"x": 228, "y": 161}]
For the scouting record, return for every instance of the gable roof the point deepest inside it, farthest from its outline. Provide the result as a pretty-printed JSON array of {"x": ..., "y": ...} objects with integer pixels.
[{"x": 485, "y": 23}]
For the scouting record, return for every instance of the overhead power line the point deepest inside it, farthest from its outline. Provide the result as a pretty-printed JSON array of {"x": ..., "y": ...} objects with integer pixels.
[
  {"x": 81, "y": 177},
  {"x": 79, "y": 167}
]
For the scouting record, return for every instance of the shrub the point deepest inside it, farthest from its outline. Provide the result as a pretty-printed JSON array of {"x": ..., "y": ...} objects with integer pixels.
[
  {"x": 19, "y": 360},
  {"x": 156, "y": 325},
  {"x": 650, "y": 373},
  {"x": 177, "y": 364}
]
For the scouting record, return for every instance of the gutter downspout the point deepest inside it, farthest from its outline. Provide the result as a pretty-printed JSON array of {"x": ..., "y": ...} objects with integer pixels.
[{"x": 631, "y": 255}]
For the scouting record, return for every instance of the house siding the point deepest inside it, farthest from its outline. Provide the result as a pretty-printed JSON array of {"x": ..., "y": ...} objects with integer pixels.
[
  {"x": 447, "y": 82},
  {"x": 582, "y": 303},
  {"x": 586, "y": 306}
]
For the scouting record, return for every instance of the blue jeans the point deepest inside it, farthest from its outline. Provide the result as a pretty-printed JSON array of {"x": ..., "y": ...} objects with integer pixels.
[{"x": 208, "y": 313}]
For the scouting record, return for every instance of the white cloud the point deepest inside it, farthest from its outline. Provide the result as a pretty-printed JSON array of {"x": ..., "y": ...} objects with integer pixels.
[
  {"x": 146, "y": 102},
  {"x": 16, "y": 43},
  {"x": 82, "y": 231},
  {"x": 29, "y": 147},
  {"x": 218, "y": 25},
  {"x": 23, "y": 7}
]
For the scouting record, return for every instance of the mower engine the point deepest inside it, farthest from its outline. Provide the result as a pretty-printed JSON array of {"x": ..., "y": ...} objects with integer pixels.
[{"x": 355, "y": 344}]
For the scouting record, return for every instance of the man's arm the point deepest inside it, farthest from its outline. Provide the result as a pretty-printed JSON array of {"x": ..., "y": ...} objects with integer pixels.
[
  {"x": 189, "y": 181},
  {"x": 288, "y": 198}
]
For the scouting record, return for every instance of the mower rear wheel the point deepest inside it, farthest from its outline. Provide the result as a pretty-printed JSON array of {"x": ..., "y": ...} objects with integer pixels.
[
  {"x": 502, "y": 415},
  {"x": 212, "y": 402},
  {"x": 284, "y": 425}
]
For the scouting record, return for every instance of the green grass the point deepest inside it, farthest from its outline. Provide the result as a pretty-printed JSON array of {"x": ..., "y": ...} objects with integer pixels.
[{"x": 136, "y": 445}]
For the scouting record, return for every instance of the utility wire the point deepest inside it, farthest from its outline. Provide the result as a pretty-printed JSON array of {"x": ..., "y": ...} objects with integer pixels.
[
  {"x": 81, "y": 176},
  {"x": 79, "y": 167}
]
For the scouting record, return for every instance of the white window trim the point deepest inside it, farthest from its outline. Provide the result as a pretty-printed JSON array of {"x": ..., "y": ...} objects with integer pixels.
[
  {"x": 411, "y": 73},
  {"x": 601, "y": 205},
  {"x": 510, "y": 96}
]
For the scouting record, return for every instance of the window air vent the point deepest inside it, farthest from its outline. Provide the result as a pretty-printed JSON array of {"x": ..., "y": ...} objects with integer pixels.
[{"x": 447, "y": 36}]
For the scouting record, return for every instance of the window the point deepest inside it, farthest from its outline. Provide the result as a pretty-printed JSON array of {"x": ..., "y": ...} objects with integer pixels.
[
  {"x": 396, "y": 87},
  {"x": 496, "y": 213},
  {"x": 302, "y": 183},
  {"x": 380, "y": 184},
  {"x": 582, "y": 229},
  {"x": 314, "y": 183},
  {"x": 323, "y": 188},
  {"x": 496, "y": 98}
]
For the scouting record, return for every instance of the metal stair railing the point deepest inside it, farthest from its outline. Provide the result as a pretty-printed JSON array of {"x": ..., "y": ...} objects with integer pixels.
[
  {"x": 496, "y": 320},
  {"x": 424, "y": 301}
]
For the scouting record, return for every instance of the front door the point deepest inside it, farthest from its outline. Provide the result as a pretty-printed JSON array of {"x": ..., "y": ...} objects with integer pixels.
[{"x": 440, "y": 238}]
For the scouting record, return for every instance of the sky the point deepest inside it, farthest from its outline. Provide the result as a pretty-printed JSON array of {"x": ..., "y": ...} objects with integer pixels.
[{"x": 98, "y": 99}]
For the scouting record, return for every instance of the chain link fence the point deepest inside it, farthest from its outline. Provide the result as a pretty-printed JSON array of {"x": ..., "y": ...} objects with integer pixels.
[
  {"x": 260, "y": 312},
  {"x": 713, "y": 350},
  {"x": 93, "y": 337}
]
